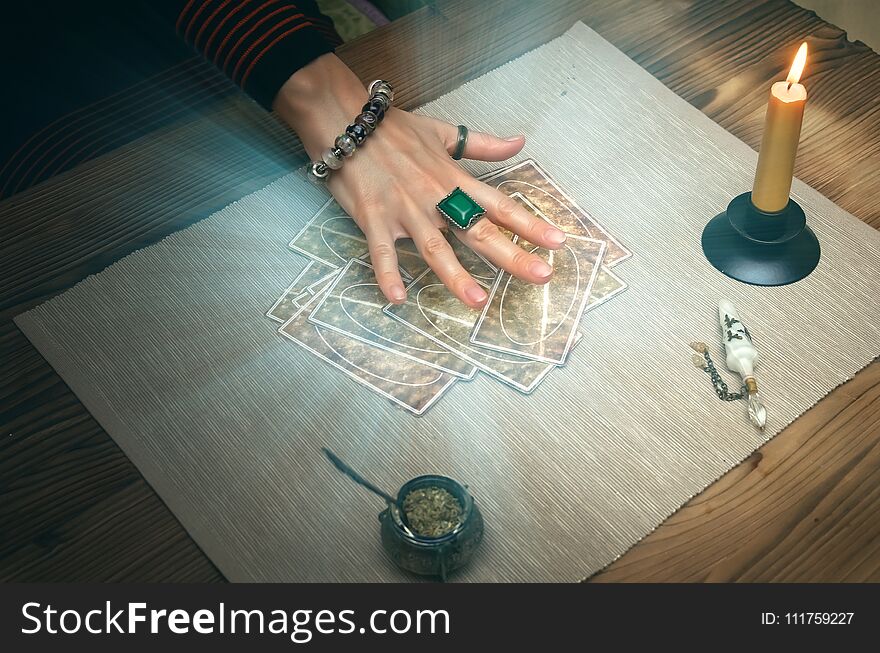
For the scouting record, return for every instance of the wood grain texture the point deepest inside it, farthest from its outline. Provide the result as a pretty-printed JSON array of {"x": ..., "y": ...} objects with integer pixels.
[
  {"x": 803, "y": 508},
  {"x": 72, "y": 507}
]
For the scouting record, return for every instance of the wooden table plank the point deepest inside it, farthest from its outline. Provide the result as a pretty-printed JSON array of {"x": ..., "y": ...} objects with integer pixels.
[
  {"x": 802, "y": 508},
  {"x": 72, "y": 507}
]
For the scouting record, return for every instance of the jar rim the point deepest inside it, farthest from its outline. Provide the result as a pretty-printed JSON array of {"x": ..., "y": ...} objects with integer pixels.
[{"x": 458, "y": 490}]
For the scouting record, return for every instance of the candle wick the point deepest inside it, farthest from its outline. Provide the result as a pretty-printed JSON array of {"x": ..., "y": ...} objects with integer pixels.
[{"x": 788, "y": 88}]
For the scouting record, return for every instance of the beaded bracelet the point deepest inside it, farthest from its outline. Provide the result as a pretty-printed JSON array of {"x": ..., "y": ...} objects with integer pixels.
[{"x": 372, "y": 113}]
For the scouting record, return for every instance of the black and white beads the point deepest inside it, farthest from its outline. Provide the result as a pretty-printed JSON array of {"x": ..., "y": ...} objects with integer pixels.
[{"x": 372, "y": 113}]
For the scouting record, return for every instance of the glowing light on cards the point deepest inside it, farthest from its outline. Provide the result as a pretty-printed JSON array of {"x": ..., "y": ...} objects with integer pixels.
[
  {"x": 797, "y": 68},
  {"x": 546, "y": 304}
]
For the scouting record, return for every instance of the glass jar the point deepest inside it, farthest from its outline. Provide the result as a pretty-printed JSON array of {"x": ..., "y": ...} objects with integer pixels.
[{"x": 432, "y": 556}]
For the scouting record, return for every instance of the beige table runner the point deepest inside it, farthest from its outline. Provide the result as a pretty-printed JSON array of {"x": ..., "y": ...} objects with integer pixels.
[{"x": 170, "y": 351}]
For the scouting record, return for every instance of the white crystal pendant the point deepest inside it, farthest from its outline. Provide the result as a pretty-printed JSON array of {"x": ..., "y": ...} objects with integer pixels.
[{"x": 757, "y": 411}]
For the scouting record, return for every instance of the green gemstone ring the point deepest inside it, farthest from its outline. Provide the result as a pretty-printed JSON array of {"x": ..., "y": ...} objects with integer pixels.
[{"x": 460, "y": 209}]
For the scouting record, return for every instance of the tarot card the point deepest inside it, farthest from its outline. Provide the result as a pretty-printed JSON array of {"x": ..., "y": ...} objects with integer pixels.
[
  {"x": 432, "y": 310},
  {"x": 302, "y": 286},
  {"x": 333, "y": 238},
  {"x": 539, "y": 322},
  {"x": 414, "y": 386},
  {"x": 532, "y": 182},
  {"x": 352, "y": 306},
  {"x": 606, "y": 286}
]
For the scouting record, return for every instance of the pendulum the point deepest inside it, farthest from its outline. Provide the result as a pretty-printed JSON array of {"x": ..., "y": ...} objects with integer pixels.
[{"x": 741, "y": 358}]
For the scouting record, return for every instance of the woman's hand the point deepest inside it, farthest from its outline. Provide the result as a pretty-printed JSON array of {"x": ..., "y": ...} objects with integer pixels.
[{"x": 391, "y": 185}]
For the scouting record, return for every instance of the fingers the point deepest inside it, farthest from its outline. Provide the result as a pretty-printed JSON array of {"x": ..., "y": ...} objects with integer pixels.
[
  {"x": 437, "y": 252},
  {"x": 510, "y": 214},
  {"x": 383, "y": 257},
  {"x": 480, "y": 145},
  {"x": 487, "y": 240}
]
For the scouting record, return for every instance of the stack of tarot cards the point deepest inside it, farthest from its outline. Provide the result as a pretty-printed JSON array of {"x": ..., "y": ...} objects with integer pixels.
[{"x": 413, "y": 352}]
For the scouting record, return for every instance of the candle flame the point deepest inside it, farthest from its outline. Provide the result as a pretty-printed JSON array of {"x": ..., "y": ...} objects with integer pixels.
[{"x": 800, "y": 59}]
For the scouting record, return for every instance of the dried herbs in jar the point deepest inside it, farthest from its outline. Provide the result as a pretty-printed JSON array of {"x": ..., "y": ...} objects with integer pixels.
[{"x": 432, "y": 511}]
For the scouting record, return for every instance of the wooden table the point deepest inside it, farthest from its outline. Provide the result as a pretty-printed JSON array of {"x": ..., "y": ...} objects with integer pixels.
[{"x": 802, "y": 508}]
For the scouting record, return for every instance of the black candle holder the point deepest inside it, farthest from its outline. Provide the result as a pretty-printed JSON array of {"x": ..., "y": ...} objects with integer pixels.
[{"x": 760, "y": 248}]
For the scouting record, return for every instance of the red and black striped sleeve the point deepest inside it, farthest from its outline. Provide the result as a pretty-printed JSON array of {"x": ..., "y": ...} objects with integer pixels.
[{"x": 259, "y": 44}]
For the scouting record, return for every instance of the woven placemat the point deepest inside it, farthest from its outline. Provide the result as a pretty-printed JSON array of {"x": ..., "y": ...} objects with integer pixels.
[{"x": 169, "y": 350}]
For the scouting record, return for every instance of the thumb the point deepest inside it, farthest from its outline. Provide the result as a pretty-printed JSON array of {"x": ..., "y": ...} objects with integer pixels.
[
  {"x": 486, "y": 147},
  {"x": 479, "y": 145}
]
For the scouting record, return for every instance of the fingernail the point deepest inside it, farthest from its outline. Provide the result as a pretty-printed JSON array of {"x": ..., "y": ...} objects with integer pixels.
[
  {"x": 554, "y": 236},
  {"x": 512, "y": 139},
  {"x": 540, "y": 269},
  {"x": 398, "y": 294},
  {"x": 476, "y": 294}
]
